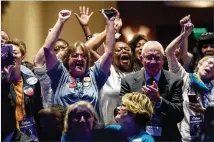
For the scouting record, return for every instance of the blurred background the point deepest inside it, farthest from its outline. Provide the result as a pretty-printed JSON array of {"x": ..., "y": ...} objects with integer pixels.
[{"x": 158, "y": 20}]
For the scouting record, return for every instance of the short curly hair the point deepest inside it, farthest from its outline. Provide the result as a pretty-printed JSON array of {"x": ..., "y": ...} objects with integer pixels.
[
  {"x": 72, "y": 49},
  {"x": 18, "y": 43},
  {"x": 140, "y": 105}
]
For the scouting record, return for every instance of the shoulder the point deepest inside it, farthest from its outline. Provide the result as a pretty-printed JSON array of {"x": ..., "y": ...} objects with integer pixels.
[
  {"x": 133, "y": 75},
  {"x": 113, "y": 127},
  {"x": 172, "y": 77},
  {"x": 144, "y": 138}
]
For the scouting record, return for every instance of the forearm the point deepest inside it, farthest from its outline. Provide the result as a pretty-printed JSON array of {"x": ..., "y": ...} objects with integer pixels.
[
  {"x": 39, "y": 59},
  {"x": 106, "y": 58},
  {"x": 86, "y": 31},
  {"x": 96, "y": 41},
  {"x": 170, "y": 49},
  {"x": 53, "y": 35}
]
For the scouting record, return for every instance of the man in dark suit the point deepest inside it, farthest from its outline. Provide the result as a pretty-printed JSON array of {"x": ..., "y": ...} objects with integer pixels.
[{"x": 163, "y": 88}]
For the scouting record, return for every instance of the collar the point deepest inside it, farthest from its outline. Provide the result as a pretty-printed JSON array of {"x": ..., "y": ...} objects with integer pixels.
[{"x": 156, "y": 77}]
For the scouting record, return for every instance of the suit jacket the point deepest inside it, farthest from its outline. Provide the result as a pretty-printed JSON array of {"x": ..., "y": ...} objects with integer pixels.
[{"x": 171, "y": 110}]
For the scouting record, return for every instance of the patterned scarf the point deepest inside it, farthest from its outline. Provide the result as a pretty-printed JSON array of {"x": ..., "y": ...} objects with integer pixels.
[{"x": 199, "y": 86}]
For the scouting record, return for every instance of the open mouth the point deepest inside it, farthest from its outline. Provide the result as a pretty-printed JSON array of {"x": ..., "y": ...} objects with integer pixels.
[
  {"x": 79, "y": 64},
  {"x": 209, "y": 53},
  {"x": 207, "y": 70},
  {"x": 124, "y": 58}
]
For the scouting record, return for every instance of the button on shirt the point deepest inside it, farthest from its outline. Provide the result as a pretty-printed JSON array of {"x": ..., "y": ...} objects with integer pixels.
[{"x": 65, "y": 95}]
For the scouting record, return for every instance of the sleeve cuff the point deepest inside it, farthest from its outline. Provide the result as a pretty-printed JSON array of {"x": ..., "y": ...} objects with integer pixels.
[{"x": 117, "y": 35}]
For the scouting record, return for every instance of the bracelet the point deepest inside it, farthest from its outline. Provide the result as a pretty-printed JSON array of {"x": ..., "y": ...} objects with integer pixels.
[{"x": 89, "y": 37}]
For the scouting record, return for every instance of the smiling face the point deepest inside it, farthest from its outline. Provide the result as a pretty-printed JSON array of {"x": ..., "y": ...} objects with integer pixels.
[
  {"x": 206, "y": 68},
  {"x": 122, "y": 56},
  {"x": 152, "y": 57},
  {"x": 207, "y": 50}
]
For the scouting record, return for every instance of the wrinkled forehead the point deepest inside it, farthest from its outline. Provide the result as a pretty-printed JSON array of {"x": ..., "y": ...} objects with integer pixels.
[{"x": 152, "y": 50}]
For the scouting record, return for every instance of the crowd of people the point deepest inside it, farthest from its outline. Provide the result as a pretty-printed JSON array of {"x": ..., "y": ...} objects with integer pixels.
[{"x": 105, "y": 89}]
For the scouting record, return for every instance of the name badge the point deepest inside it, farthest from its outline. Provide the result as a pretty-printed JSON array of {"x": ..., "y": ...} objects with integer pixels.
[
  {"x": 27, "y": 126},
  {"x": 195, "y": 122},
  {"x": 154, "y": 127},
  {"x": 154, "y": 130}
]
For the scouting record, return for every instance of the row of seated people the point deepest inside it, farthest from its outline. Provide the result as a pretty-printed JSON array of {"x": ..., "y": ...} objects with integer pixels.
[{"x": 98, "y": 74}]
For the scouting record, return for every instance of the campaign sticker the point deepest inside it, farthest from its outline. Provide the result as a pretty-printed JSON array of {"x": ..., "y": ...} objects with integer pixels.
[
  {"x": 72, "y": 85},
  {"x": 32, "y": 80},
  {"x": 86, "y": 79},
  {"x": 28, "y": 90},
  {"x": 86, "y": 84}
]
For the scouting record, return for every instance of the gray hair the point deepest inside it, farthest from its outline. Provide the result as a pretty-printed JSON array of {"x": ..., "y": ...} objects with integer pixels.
[{"x": 151, "y": 44}]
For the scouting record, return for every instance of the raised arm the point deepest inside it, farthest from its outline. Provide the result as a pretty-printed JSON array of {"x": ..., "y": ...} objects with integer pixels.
[
  {"x": 83, "y": 19},
  {"x": 185, "y": 55},
  {"x": 50, "y": 56},
  {"x": 53, "y": 34},
  {"x": 107, "y": 58},
  {"x": 95, "y": 42},
  {"x": 171, "y": 58},
  {"x": 178, "y": 40}
]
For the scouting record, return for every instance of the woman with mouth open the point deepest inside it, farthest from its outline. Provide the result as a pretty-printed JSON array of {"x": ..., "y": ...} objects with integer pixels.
[
  {"x": 71, "y": 78},
  {"x": 198, "y": 90},
  {"x": 121, "y": 66}
]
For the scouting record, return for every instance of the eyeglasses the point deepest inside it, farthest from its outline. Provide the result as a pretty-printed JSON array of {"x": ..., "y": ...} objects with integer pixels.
[
  {"x": 59, "y": 47},
  {"x": 150, "y": 58},
  {"x": 119, "y": 49},
  {"x": 76, "y": 55}
]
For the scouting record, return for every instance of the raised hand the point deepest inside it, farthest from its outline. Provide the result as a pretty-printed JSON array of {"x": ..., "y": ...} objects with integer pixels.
[
  {"x": 196, "y": 107},
  {"x": 188, "y": 27},
  {"x": 64, "y": 15},
  {"x": 118, "y": 21},
  {"x": 185, "y": 20},
  {"x": 84, "y": 16}
]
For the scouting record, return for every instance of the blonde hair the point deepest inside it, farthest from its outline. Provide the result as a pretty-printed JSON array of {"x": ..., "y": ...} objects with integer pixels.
[
  {"x": 202, "y": 61},
  {"x": 139, "y": 104},
  {"x": 71, "y": 108}
]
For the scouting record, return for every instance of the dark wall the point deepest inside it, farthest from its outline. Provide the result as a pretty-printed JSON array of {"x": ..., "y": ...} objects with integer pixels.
[{"x": 163, "y": 20}]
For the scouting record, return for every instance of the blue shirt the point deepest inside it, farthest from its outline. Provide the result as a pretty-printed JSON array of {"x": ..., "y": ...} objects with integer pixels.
[
  {"x": 143, "y": 136},
  {"x": 66, "y": 95}
]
